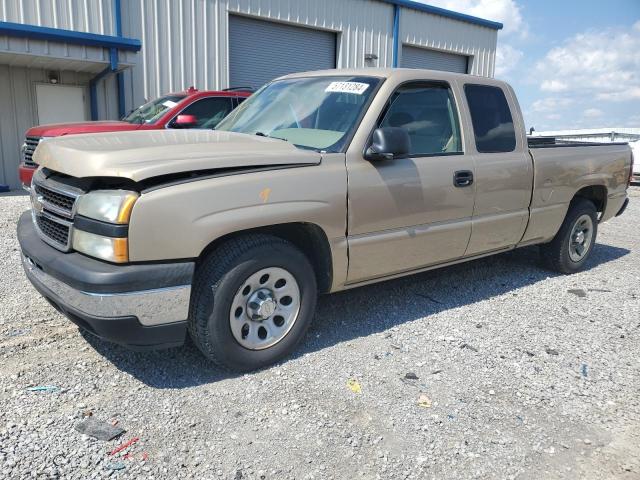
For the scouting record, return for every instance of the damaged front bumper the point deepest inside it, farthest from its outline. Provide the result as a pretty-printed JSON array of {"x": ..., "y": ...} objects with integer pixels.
[{"x": 139, "y": 306}]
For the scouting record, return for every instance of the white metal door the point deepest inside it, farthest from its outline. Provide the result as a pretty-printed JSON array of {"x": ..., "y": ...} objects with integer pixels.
[{"x": 60, "y": 103}]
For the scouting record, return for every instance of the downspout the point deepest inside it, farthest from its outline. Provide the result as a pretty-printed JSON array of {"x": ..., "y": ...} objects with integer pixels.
[
  {"x": 93, "y": 83},
  {"x": 396, "y": 34},
  {"x": 117, "y": 7},
  {"x": 113, "y": 67}
]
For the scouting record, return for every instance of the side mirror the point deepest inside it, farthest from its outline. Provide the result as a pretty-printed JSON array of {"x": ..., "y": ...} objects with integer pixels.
[
  {"x": 388, "y": 143},
  {"x": 185, "y": 121}
]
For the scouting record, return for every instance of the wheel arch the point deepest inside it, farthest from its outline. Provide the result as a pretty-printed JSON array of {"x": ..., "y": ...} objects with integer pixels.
[
  {"x": 309, "y": 238},
  {"x": 594, "y": 193}
]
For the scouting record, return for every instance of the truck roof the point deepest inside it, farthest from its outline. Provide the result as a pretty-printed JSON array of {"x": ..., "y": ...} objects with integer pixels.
[
  {"x": 397, "y": 73},
  {"x": 229, "y": 92}
]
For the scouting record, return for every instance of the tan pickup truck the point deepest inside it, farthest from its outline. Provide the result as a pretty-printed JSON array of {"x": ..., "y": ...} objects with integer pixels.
[{"x": 319, "y": 182}]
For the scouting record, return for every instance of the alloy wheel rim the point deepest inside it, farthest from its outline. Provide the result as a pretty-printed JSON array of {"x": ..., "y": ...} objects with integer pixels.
[
  {"x": 581, "y": 238},
  {"x": 265, "y": 308}
]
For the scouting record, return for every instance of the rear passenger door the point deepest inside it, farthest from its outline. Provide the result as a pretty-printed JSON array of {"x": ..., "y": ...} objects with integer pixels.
[
  {"x": 409, "y": 213},
  {"x": 503, "y": 169}
]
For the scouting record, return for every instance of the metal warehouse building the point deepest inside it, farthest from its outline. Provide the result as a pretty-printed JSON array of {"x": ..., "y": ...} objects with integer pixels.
[{"x": 70, "y": 60}]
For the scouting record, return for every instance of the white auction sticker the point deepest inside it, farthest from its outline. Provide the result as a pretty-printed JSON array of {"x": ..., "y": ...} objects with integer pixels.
[
  {"x": 169, "y": 104},
  {"x": 347, "y": 87}
]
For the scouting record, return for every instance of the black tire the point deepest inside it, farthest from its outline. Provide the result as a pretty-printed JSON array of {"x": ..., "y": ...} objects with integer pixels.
[
  {"x": 217, "y": 281},
  {"x": 556, "y": 254}
]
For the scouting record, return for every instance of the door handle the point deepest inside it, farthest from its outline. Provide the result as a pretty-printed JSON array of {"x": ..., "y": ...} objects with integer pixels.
[{"x": 462, "y": 178}]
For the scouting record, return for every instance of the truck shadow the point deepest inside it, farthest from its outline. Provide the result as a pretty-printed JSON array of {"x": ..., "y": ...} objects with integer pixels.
[{"x": 361, "y": 312}]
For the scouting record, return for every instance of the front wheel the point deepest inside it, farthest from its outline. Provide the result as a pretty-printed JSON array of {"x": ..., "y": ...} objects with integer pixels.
[
  {"x": 574, "y": 242},
  {"x": 254, "y": 298}
]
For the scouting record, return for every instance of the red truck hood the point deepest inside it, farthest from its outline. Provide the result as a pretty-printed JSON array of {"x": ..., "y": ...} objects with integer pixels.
[{"x": 59, "y": 129}]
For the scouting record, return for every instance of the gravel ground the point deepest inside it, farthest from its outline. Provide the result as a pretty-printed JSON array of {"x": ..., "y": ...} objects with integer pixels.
[{"x": 491, "y": 369}]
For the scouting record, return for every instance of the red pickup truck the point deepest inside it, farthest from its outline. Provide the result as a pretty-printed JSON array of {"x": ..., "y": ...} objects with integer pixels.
[{"x": 189, "y": 109}]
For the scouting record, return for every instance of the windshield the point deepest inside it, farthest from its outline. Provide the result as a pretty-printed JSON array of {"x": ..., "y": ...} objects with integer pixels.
[
  {"x": 314, "y": 112},
  {"x": 150, "y": 112}
]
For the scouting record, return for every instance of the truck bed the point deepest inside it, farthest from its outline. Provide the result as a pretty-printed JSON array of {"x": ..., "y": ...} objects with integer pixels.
[
  {"x": 563, "y": 168},
  {"x": 549, "y": 142}
]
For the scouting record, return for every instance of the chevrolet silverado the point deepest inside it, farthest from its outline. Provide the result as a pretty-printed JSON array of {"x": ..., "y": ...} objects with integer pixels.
[{"x": 320, "y": 182}]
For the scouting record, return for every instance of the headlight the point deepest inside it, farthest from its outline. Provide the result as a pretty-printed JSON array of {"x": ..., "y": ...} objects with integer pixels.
[
  {"x": 93, "y": 235},
  {"x": 114, "y": 250},
  {"x": 113, "y": 206}
]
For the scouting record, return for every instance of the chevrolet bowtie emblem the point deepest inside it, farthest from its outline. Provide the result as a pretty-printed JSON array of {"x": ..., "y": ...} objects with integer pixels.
[{"x": 37, "y": 203}]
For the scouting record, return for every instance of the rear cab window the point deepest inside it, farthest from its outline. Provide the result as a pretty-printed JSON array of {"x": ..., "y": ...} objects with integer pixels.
[{"x": 491, "y": 118}]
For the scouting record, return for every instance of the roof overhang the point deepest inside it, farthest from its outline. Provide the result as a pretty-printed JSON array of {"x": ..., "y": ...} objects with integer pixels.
[
  {"x": 56, "y": 63},
  {"x": 68, "y": 36},
  {"x": 443, "y": 12}
]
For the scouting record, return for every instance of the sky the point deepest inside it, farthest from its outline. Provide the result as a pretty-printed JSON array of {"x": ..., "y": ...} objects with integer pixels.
[{"x": 573, "y": 64}]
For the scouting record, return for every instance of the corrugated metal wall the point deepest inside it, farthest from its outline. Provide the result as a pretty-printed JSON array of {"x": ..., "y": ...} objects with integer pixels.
[
  {"x": 76, "y": 56},
  {"x": 19, "y": 112},
  {"x": 94, "y": 16},
  {"x": 433, "y": 31},
  {"x": 107, "y": 98},
  {"x": 25, "y": 62},
  {"x": 185, "y": 41}
]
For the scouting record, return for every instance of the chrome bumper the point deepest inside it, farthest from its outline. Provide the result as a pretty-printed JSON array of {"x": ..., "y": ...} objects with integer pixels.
[{"x": 150, "y": 307}]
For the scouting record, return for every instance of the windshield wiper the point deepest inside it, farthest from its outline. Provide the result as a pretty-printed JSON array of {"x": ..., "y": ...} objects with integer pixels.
[
  {"x": 262, "y": 134},
  {"x": 302, "y": 147}
]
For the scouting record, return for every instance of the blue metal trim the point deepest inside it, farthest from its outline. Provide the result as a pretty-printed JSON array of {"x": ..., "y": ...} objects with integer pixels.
[
  {"x": 117, "y": 8},
  {"x": 93, "y": 92},
  {"x": 121, "y": 100},
  {"x": 113, "y": 59},
  {"x": 118, "y": 17},
  {"x": 68, "y": 36},
  {"x": 93, "y": 83},
  {"x": 445, "y": 13},
  {"x": 396, "y": 34}
]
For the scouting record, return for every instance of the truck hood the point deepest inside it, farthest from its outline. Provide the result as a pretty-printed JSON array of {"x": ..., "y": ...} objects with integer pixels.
[
  {"x": 59, "y": 129},
  {"x": 147, "y": 154}
]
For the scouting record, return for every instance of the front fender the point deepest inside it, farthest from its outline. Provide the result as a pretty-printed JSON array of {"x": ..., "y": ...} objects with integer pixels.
[{"x": 180, "y": 221}]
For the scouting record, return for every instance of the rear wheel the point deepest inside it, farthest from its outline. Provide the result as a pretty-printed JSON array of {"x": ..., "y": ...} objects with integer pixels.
[
  {"x": 254, "y": 298},
  {"x": 574, "y": 242}
]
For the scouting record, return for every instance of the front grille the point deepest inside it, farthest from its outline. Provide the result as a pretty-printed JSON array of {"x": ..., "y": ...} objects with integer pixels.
[
  {"x": 53, "y": 230},
  {"x": 30, "y": 145},
  {"x": 57, "y": 201},
  {"x": 53, "y": 205}
]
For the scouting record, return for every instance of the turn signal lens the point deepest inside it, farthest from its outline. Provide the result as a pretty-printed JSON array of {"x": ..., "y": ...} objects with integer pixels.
[{"x": 114, "y": 250}]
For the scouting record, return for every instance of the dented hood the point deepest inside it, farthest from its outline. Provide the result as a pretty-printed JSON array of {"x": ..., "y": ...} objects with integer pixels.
[{"x": 142, "y": 155}]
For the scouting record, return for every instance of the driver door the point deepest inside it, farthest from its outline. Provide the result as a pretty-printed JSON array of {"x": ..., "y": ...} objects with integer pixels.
[{"x": 410, "y": 213}]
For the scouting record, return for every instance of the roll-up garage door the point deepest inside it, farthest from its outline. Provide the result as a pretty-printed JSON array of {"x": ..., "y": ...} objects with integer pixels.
[
  {"x": 260, "y": 51},
  {"x": 413, "y": 57}
]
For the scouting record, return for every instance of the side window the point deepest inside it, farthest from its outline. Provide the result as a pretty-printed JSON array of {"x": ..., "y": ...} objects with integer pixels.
[
  {"x": 428, "y": 112},
  {"x": 209, "y": 111},
  {"x": 491, "y": 118}
]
